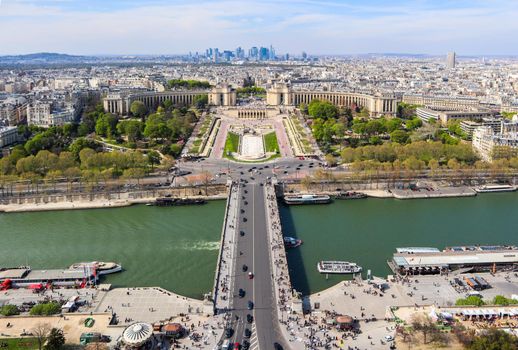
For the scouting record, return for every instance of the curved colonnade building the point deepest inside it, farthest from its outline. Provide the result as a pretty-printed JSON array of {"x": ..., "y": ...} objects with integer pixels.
[
  {"x": 119, "y": 103},
  {"x": 279, "y": 95},
  {"x": 377, "y": 104}
]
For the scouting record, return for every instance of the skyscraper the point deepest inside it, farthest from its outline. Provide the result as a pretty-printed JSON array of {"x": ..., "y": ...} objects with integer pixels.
[{"x": 450, "y": 60}]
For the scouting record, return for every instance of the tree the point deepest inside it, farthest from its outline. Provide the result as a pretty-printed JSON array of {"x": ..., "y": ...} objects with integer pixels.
[
  {"x": 374, "y": 127},
  {"x": 424, "y": 324},
  {"x": 138, "y": 109},
  {"x": 167, "y": 104},
  {"x": 153, "y": 158},
  {"x": 322, "y": 109},
  {"x": 46, "y": 309},
  {"x": 175, "y": 149},
  {"x": 471, "y": 300},
  {"x": 134, "y": 173},
  {"x": 414, "y": 123},
  {"x": 330, "y": 160},
  {"x": 81, "y": 143},
  {"x": 495, "y": 339},
  {"x": 106, "y": 125},
  {"x": 55, "y": 339},
  {"x": 9, "y": 310},
  {"x": 399, "y": 136},
  {"x": 200, "y": 101},
  {"x": 393, "y": 124},
  {"x": 131, "y": 128},
  {"x": 41, "y": 332}
]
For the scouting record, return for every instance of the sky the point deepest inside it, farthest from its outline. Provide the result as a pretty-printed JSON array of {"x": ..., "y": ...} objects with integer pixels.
[{"x": 91, "y": 27}]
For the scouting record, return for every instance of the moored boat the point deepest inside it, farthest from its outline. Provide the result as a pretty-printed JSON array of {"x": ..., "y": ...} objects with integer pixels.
[
  {"x": 307, "y": 199},
  {"x": 338, "y": 267},
  {"x": 350, "y": 195},
  {"x": 101, "y": 267},
  {"x": 495, "y": 188},
  {"x": 290, "y": 242},
  {"x": 169, "y": 201}
]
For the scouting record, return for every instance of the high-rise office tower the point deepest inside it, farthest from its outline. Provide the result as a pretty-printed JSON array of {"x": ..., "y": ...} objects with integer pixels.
[{"x": 450, "y": 60}]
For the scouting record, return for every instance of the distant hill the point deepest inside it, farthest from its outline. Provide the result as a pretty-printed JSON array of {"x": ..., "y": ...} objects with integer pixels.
[{"x": 47, "y": 57}]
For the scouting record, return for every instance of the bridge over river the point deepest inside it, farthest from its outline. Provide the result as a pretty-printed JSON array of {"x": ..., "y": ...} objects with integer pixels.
[{"x": 252, "y": 285}]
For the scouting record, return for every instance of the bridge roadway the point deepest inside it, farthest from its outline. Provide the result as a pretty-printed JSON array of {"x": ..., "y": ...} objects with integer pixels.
[{"x": 253, "y": 249}]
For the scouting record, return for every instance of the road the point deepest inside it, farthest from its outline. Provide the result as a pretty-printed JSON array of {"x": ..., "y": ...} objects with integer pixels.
[{"x": 253, "y": 250}]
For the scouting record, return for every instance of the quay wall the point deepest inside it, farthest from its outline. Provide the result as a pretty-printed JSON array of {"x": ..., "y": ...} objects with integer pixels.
[{"x": 46, "y": 202}]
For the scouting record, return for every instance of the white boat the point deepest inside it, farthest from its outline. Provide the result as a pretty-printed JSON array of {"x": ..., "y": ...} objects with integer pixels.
[
  {"x": 307, "y": 199},
  {"x": 338, "y": 267},
  {"x": 102, "y": 268},
  {"x": 413, "y": 250},
  {"x": 495, "y": 188}
]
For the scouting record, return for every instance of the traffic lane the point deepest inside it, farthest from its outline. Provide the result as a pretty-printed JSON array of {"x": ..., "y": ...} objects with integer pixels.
[
  {"x": 265, "y": 313},
  {"x": 244, "y": 246}
]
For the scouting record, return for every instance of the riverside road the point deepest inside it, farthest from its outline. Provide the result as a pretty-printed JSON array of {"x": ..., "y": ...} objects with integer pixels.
[{"x": 252, "y": 255}]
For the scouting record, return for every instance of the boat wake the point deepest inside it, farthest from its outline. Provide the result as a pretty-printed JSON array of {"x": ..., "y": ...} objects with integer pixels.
[{"x": 199, "y": 245}]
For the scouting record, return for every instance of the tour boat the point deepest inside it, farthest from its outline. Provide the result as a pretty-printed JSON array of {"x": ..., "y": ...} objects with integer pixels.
[
  {"x": 338, "y": 267},
  {"x": 307, "y": 199},
  {"x": 101, "y": 268},
  {"x": 290, "y": 242},
  {"x": 495, "y": 188}
]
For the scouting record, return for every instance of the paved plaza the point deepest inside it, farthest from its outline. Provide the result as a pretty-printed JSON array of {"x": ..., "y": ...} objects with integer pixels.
[{"x": 252, "y": 146}]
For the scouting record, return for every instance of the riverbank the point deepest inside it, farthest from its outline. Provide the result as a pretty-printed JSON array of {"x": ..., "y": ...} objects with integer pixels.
[
  {"x": 88, "y": 204},
  {"x": 417, "y": 193}
]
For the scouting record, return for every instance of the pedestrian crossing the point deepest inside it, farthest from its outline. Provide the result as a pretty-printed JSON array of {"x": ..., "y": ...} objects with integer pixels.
[{"x": 254, "y": 342}]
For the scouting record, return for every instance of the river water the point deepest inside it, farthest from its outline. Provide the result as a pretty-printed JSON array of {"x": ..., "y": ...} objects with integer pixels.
[
  {"x": 367, "y": 231},
  {"x": 176, "y": 247},
  {"x": 172, "y": 247}
]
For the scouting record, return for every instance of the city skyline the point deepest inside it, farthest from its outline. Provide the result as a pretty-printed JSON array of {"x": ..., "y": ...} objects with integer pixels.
[{"x": 333, "y": 28}]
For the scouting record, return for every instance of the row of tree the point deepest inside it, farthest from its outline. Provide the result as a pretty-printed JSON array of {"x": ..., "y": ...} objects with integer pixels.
[
  {"x": 421, "y": 151},
  {"x": 88, "y": 163},
  {"x": 188, "y": 84}
]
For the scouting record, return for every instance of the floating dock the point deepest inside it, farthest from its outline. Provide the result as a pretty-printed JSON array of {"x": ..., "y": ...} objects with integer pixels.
[{"x": 411, "y": 261}]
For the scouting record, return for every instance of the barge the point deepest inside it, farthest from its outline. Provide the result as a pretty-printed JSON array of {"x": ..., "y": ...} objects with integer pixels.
[
  {"x": 350, "y": 195},
  {"x": 338, "y": 267},
  {"x": 170, "y": 201},
  {"x": 495, "y": 188},
  {"x": 307, "y": 199}
]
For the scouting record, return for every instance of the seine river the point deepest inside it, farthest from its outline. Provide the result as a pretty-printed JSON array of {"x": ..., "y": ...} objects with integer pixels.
[
  {"x": 177, "y": 247},
  {"x": 367, "y": 231},
  {"x": 172, "y": 247}
]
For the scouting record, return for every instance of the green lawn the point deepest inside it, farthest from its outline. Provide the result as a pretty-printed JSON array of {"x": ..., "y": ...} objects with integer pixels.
[
  {"x": 19, "y": 343},
  {"x": 270, "y": 142},
  {"x": 231, "y": 144}
]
